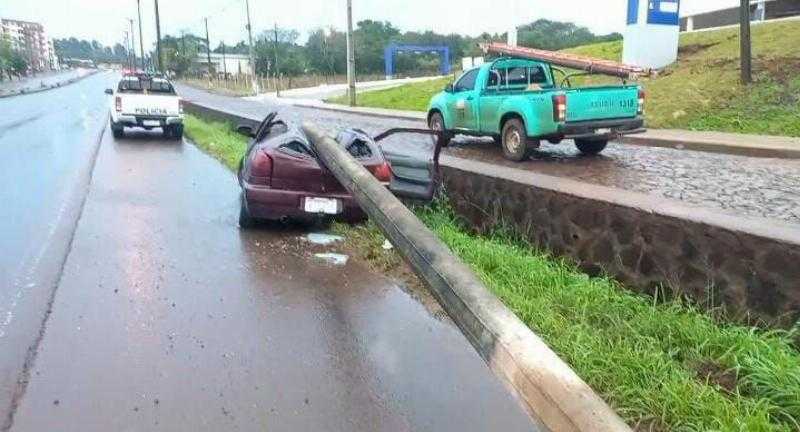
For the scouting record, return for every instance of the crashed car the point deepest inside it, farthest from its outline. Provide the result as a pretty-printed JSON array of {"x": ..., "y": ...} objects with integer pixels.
[{"x": 282, "y": 176}]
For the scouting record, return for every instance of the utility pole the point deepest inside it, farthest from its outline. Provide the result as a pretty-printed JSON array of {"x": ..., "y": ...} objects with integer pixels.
[
  {"x": 224, "y": 62},
  {"x": 141, "y": 41},
  {"x": 127, "y": 47},
  {"x": 351, "y": 56},
  {"x": 277, "y": 70},
  {"x": 208, "y": 49},
  {"x": 133, "y": 46},
  {"x": 160, "y": 62},
  {"x": 744, "y": 41},
  {"x": 256, "y": 90}
]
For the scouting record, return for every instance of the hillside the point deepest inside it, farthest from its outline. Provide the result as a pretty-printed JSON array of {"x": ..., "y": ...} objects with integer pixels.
[{"x": 701, "y": 91}]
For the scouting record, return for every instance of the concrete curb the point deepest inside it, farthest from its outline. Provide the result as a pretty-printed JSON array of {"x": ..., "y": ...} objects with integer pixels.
[
  {"x": 46, "y": 88},
  {"x": 710, "y": 142},
  {"x": 550, "y": 391}
]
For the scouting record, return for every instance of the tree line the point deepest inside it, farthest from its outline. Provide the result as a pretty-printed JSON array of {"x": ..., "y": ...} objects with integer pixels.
[
  {"x": 324, "y": 52},
  {"x": 12, "y": 61}
]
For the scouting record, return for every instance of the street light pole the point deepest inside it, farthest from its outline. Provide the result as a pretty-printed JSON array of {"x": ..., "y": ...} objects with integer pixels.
[
  {"x": 744, "y": 42},
  {"x": 256, "y": 90},
  {"x": 158, "y": 41},
  {"x": 277, "y": 69},
  {"x": 141, "y": 41},
  {"x": 133, "y": 46},
  {"x": 351, "y": 57}
]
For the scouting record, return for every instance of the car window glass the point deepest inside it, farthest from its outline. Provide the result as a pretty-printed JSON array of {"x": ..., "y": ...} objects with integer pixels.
[
  {"x": 496, "y": 77},
  {"x": 467, "y": 82},
  {"x": 538, "y": 76},
  {"x": 296, "y": 147},
  {"x": 517, "y": 76}
]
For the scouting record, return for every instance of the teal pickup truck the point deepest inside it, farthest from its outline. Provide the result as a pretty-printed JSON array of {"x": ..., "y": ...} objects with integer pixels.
[{"x": 518, "y": 103}]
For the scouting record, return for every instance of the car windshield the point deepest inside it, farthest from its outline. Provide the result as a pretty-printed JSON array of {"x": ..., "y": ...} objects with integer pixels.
[{"x": 140, "y": 84}]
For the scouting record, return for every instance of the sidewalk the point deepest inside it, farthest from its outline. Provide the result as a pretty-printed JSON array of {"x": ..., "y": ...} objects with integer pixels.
[
  {"x": 43, "y": 81},
  {"x": 712, "y": 142}
]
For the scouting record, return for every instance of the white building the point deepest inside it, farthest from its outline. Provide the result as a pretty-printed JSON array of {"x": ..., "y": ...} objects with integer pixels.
[
  {"x": 30, "y": 39},
  {"x": 232, "y": 64}
]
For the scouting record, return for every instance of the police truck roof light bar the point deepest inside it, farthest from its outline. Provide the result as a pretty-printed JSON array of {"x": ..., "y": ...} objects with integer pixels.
[{"x": 588, "y": 64}]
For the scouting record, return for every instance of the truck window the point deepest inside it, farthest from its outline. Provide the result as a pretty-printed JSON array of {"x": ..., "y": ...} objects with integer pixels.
[
  {"x": 518, "y": 76},
  {"x": 137, "y": 85},
  {"x": 467, "y": 81},
  {"x": 496, "y": 77}
]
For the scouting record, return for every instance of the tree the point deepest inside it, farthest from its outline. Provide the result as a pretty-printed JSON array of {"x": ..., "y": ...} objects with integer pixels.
[
  {"x": 371, "y": 37},
  {"x": 555, "y": 35},
  {"x": 326, "y": 52},
  {"x": 291, "y": 56}
]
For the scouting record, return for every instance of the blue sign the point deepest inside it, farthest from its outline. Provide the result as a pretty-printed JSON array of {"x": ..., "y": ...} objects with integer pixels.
[
  {"x": 665, "y": 12},
  {"x": 633, "y": 11}
]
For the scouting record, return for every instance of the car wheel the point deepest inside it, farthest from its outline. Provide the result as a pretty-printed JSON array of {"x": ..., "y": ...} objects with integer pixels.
[
  {"x": 591, "y": 146},
  {"x": 245, "y": 220},
  {"x": 436, "y": 123},
  {"x": 177, "y": 132},
  {"x": 117, "y": 130},
  {"x": 514, "y": 141}
]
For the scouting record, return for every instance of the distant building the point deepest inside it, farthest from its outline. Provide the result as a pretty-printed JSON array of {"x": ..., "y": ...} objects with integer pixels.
[
  {"x": 760, "y": 10},
  {"x": 31, "y": 40},
  {"x": 232, "y": 64}
]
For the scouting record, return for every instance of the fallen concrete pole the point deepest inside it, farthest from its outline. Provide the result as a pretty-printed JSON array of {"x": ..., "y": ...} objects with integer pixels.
[{"x": 551, "y": 392}]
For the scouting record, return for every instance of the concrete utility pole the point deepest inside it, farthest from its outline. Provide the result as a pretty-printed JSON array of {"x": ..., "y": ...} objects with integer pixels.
[
  {"x": 277, "y": 70},
  {"x": 141, "y": 41},
  {"x": 744, "y": 41},
  {"x": 208, "y": 49},
  {"x": 256, "y": 89},
  {"x": 133, "y": 46},
  {"x": 224, "y": 63},
  {"x": 160, "y": 61},
  {"x": 127, "y": 47},
  {"x": 351, "y": 56}
]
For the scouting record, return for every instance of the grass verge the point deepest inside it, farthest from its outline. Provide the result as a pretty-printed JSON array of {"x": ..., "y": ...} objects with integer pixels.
[
  {"x": 701, "y": 91},
  {"x": 662, "y": 366}
]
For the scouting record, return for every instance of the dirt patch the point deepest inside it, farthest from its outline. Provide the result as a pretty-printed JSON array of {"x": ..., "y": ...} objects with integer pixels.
[
  {"x": 712, "y": 372},
  {"x": 692, "y": 49},
  {"x": 780, "y": 69}
]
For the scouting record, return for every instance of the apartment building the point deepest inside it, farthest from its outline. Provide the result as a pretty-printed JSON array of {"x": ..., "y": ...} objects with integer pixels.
[{"x": 31, "y": 40}]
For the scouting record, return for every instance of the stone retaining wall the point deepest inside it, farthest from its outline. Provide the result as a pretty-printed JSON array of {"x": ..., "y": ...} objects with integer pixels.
[{"x": 749, "y": 265}]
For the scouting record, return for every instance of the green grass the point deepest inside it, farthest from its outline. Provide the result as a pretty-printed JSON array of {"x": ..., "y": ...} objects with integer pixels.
[
  {"x": 408, "y": 97},
  {"x": 663, "y": 365},
  {"x": 701, "y": 91},
  {"x": 219, "y": 139}
]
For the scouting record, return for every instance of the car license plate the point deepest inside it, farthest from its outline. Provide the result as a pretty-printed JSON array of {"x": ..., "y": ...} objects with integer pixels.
[
  {"x": 603, "y": 131},
  {"x": 322, "y": 205},
  {"x": 151, "y": 123}
]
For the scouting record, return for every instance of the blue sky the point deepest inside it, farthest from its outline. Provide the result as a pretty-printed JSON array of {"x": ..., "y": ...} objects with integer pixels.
[{"x": 105, "y": 20}]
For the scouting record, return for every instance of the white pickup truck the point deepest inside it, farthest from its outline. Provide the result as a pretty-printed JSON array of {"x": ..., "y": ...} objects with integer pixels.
[{"x": 147, "y": 102}]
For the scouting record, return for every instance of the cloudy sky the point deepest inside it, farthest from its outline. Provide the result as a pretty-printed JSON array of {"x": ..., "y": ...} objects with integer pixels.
[{"x": 105, "y": 20}]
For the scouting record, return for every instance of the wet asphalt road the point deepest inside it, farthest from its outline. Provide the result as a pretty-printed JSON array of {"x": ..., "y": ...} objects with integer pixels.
[
  {"x": 47, "y": 144},
  {"x": 740, "y": 185},
  {"x": 168, "y": 317}
]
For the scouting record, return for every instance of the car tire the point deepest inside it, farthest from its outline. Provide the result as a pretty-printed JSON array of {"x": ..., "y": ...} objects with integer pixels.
[
  {"x": 514, "y": 140},
  {"x": 117, "y": 130},
  {"x": 591, "y": 146},
  {"x": 177, "y": 132},
  {"x": 436, "y": 122},
  {"x": 245, "y": 220}
]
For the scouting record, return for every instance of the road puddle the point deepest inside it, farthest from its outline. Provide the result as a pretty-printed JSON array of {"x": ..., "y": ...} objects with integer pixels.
[{"x": 322, "y": 238}]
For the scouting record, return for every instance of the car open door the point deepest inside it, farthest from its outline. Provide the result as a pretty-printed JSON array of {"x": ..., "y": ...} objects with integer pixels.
[{"x": 414, "y": 176}]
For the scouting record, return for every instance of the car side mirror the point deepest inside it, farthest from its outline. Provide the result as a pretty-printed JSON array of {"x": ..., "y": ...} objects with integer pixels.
[
  {"x": 109, "y": 92},
  {"x": 449, "y": 88},
  {"x": 245, "y": 130}
]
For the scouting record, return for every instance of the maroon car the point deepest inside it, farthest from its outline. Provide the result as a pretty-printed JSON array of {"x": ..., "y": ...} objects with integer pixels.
[{"x": 282, "y": 177}]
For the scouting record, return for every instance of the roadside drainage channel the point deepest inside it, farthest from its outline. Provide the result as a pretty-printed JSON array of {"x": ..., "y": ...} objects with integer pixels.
[
  {"x": 553, "y": 395},
  {"x": 649, "y": 243}
]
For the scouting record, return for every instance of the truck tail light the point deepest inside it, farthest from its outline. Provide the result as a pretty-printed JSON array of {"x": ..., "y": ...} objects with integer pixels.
[
  {"x": 180, "y": 106},
  {"x": 260, "y": 168},
  {"x": 559, "y": 108},
  {"x": 642, "y": 95},
  {"x": 118, "y": 104},
  {"x": 382, "y": 172}
]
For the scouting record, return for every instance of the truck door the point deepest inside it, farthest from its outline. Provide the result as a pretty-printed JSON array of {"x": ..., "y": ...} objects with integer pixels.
[{"x": 463, "y": 105}]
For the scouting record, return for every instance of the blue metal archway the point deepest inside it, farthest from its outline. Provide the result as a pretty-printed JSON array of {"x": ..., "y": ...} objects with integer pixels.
[{"x": 392, "y": 49}]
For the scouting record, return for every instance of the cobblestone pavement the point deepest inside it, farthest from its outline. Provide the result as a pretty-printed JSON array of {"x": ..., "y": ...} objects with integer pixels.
[{"x": 738, "y": 185}]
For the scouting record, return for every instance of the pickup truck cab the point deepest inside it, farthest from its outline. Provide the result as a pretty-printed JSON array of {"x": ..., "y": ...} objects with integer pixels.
[
  {"x": 147, "y": 102},
  {"x": 518, "y": 102}
]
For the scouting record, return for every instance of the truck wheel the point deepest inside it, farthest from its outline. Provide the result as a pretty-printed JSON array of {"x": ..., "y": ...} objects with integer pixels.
[
  {"x": 514, "y": 141},
  {"x": 245, "y": 220},
  {"x": 591, "y": 146},
  {"x": 437, "y": 123},
  {"x": 117, "y": 130},
  {"x": 177, "y": 132}
]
